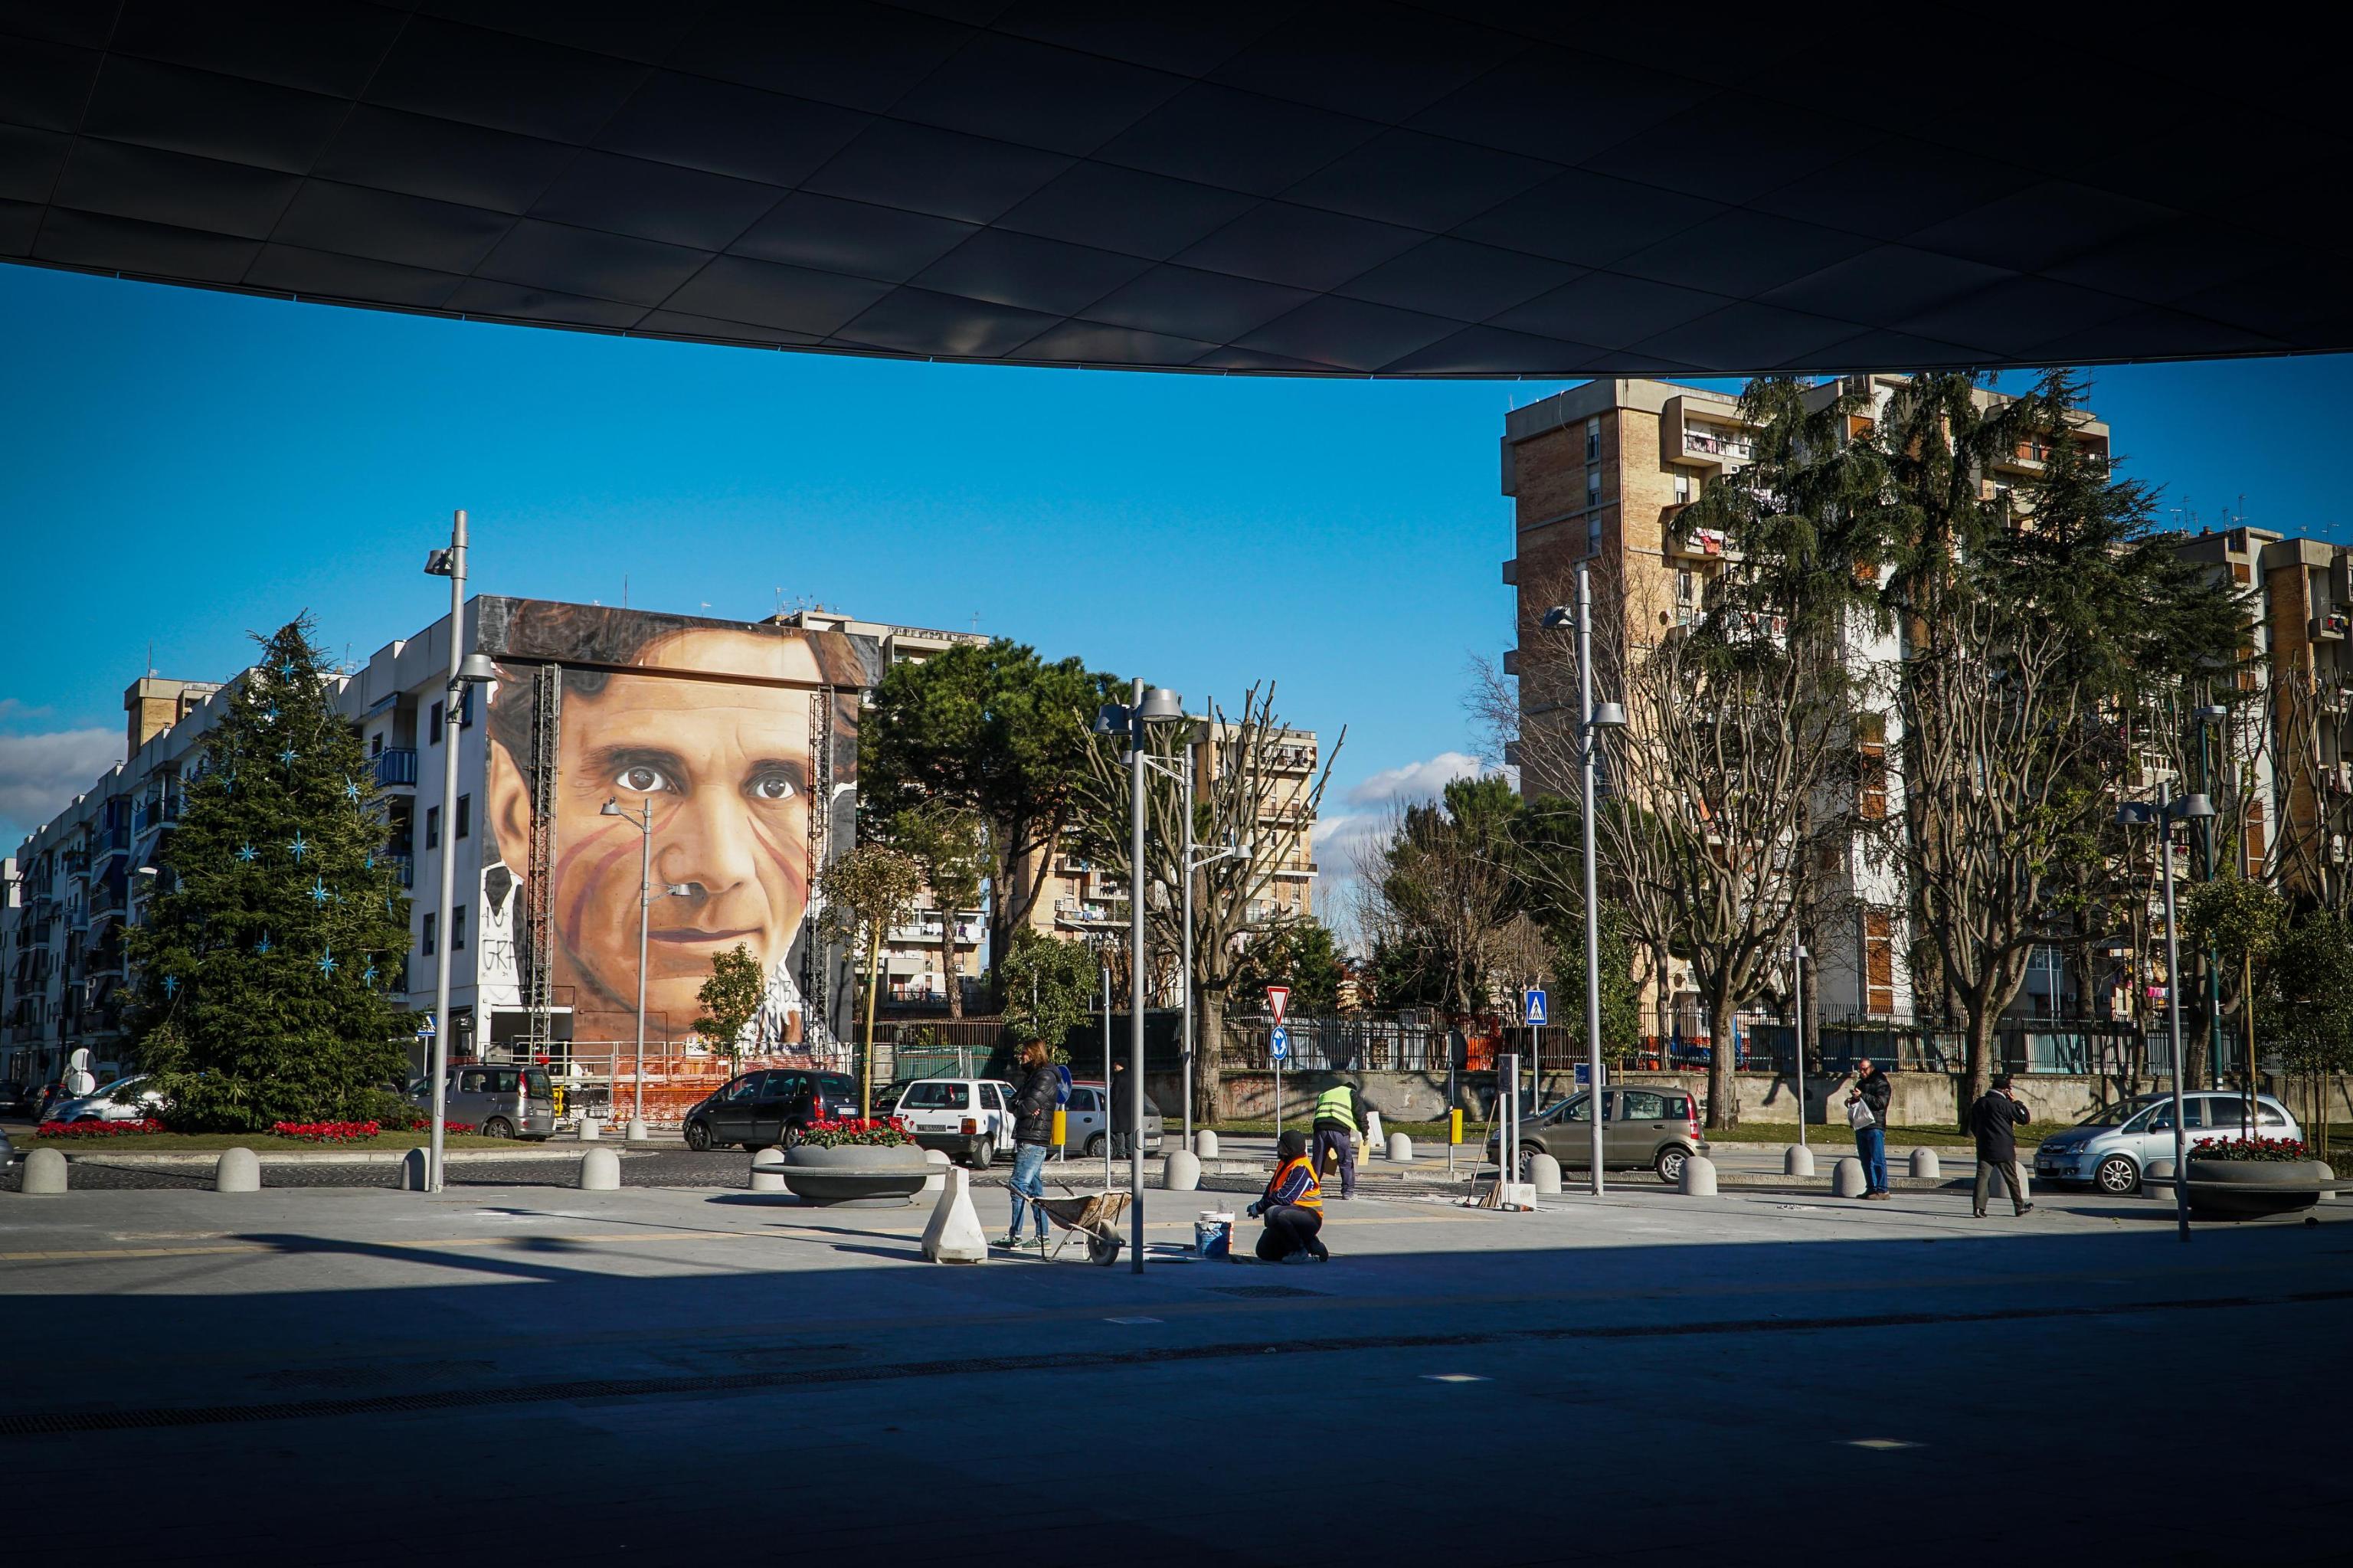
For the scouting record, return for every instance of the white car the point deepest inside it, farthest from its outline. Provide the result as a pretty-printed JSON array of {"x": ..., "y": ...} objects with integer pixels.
[
  {"x": 125, "y": 1099},
  {"x": 967, "y": 1118},
  {"x": 2111, "y": 1148}
]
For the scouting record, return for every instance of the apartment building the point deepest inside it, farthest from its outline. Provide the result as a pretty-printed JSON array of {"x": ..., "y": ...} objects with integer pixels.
[
  {"x": 916, "y": 970},
  {"x": 739, "y": 736},
  {"x": 1081, "y": 899},
  {"x": 1597, "y": 475}
]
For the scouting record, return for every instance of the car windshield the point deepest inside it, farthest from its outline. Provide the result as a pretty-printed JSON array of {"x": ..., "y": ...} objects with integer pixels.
[
  {"x": 834, "y": 1085},
  {"x": 120, "y": 1085},
  {"x": 2114, "y": 1115}
]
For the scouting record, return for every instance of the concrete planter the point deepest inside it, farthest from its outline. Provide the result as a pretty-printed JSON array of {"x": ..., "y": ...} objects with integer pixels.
[
  {"x": 2255, "y": 1187},
  {"x": 856, "y": 1176}
]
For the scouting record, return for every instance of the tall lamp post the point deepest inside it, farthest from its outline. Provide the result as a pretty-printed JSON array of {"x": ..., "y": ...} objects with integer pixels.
[
  {"x": 466, "y": 669},
  {"x": 1591, "y": 722},
  {"x": 2208, "y": 717},
  {"x": 2162, "y": 815},
  {"x": 1191, "y": 861},
  {"x": 1143, "y": 709},
  {"x": 643, "y": 821}
]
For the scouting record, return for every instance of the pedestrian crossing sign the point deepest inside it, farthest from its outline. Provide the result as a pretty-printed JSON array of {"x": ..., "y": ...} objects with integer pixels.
[{"x": 1536, "y": 1006}]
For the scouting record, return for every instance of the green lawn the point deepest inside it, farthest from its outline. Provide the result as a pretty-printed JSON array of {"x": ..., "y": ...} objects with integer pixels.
[
  {"x": 260, "y": 1143},
  {"x": 1781, "y": 1132}
]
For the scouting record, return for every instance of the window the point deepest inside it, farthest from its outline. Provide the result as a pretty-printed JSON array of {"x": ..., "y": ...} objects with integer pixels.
[
  {"x": 1593, "y": 535},
  {"x": 535, "y": 1084},
  {"x": 432, "y": 827},
  {"x": 426, "y": 946},
  {"x": 1878, "y": 961},
  {"x": 1593, "y": 487},
  {"x": 1593, "y": 440},
  {"x": 465, "y": 814},
  {"x": 1082, "y": 1100},
  {"x": 433, "y": 730},
  {"x": 1686, "y": 587},
  {"x": 473, "y": 1081},
  {"x": 988, "y": 1100},
  {"x": 1641, "y": 1105},
  {"x": 457, "y": 930},
  {"x": 781, "y": 1088},
  {"x": 936, "y": 1095},
  {"x": 1679, "y": 1106},
  {"x": 375, "y": 745},
  {"x": 741, "y": 1090},
  {"x": 1682, "y": 488}
]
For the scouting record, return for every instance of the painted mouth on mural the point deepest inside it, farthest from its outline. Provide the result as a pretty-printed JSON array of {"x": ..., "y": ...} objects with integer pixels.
[{"x": 690, "y": 935}]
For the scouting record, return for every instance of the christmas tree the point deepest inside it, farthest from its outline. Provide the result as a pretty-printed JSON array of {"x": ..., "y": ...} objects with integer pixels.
[{"x": 279, "y": 928}]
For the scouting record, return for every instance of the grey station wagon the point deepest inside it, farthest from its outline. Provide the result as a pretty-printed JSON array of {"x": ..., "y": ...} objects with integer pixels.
[
  {"x": 501, "y": 1102},
  {"x": 1656, "y": 1130}
]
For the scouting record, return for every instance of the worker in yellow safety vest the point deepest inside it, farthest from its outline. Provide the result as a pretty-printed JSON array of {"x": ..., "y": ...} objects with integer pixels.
[
  {"x": 1292, "y": 1205},
  {"x": 1339, "y": 1120}
]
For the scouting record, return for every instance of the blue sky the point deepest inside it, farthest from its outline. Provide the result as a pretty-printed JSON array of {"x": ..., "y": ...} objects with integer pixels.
[{"x": 185, "y": 467}]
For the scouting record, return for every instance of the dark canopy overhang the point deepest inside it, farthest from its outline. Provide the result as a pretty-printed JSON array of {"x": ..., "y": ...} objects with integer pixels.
[{"x": 1429, "y": 190}]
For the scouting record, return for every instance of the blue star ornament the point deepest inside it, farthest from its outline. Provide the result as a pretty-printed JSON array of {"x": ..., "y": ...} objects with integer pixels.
[
  {"x": 351, "y": 789},
  {"x": 170, "y": 985},
  {"x": 286, "y": 670},
  {"x": 327, "y": 963},
  {"x": 300, "y": 847},
  {"x": 288, "y": 756},
  {"x": 318, "y": 893},
  {"x": 245, "y": 853},
  {"x": 263, "y": 945},
  {"x": 367, "y": 976}
]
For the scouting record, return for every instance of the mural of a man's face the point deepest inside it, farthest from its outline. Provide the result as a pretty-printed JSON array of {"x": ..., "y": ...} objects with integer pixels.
[{"x": 725, "y": 768}]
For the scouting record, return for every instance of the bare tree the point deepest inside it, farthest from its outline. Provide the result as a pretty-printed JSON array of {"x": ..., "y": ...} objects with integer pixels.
[{"x": 1257, "y": 788}]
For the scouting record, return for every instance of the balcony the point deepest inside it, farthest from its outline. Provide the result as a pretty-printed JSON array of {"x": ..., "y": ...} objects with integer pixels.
[
  {"x": 2330, "y": 628},
  {"x": 1291, "y": 758},
  {"x": 1713, "y": 448},
  {"x": 105, "y": 843},
  {"x": 76, "y": 861},
  {"x": 396, "y": 767},
  {"x": 406, "y": 866},
  {"x": 1699, "y": 544},
  {"x": 1294, "y": 867}
]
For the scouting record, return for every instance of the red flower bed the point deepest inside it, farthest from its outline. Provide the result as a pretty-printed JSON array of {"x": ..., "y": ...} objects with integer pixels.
[
  {"x": 99, "y": 1128},
  {"x": 326, "y": 1132},
  {"x": 2282, "y": 1149},
  {"x": 875, "y": 1133}
]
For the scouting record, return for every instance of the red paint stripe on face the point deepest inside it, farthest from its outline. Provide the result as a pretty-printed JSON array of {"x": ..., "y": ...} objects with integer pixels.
[
  {"x": 592, "y": 875},
  {"x": 795, "y": 880}
]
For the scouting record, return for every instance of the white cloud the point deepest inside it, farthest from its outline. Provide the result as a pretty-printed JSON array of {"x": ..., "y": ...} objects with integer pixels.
[
  {"x": 1416, "y": 782},
  {"x": 41, "y": 773}
]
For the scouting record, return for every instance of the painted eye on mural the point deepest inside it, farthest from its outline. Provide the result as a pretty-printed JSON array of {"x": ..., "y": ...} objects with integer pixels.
[
  {"x": 771, "y": 786},
  {"x": 642, "y": 778}
]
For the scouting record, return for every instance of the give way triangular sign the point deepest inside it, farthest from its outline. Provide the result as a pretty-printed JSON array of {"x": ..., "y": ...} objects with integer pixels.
[{"x": 1278, "y": 998}]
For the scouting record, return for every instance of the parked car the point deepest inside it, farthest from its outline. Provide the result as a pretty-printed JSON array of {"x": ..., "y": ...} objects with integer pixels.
[
  {"x": 38, "y": 1104},
  {"x": 1083, "y": 1128},
  {"x": 16, "y": 1098},
  {"x": 503, "y": 1102},
  {"x": 1641, "y": 1128},
  {"x": 965, "y": 1119},
  {"x": 2111, "y": 1148},
  {"x": 125, "y": 1099},
  {"x": 762, "y": 1109},
  {"x": 7, "y": 1151}
]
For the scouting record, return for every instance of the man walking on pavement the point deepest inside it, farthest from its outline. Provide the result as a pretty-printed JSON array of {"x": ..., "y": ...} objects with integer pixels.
[
  {"x": 1995, "y": 1121},
  {"x": 1033, "y": 1134},
  {"x": 1866, "y": 1112},
  {"x": 1340, "y": 1115}
]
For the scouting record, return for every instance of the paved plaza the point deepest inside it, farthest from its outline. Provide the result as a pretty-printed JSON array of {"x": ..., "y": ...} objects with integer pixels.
[{"x": 688, "y": 1374}]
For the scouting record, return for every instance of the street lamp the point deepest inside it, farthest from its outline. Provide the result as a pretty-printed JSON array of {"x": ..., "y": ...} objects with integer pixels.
[
  {"x": 2162, "y": 815},
  {"x": 1592, "y": 722},
  {"x": 1191, "y": 861},
  {"x": 1144, "y": 707},
  {"x": 643, "y": 821},
  {"x": 2208, "y": 715},
  {"x": 466, "y": 670}
]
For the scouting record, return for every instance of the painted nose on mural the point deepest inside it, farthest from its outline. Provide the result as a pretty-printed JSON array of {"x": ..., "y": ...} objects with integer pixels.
[{"x": 715, "y": 852}]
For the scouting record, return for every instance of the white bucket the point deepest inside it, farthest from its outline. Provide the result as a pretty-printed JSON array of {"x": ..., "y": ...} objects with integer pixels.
[{"x": 1213, "y": 1235}]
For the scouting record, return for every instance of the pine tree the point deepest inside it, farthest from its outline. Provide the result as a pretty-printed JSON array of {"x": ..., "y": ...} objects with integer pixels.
[{"x": 279, "y": 929}]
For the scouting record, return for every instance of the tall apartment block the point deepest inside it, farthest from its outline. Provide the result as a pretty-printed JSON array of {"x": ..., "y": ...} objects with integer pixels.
[{"x": 1597, "y": 475}]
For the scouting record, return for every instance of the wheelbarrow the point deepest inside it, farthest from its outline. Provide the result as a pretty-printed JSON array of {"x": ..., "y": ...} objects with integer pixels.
[{"x": 1095, "y": 1216}]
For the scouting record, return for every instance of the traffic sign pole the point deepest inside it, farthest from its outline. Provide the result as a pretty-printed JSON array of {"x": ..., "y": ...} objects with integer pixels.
[
  {"x": 1534, "y": 1008},
  {"x": 1278, "y": 1047}
]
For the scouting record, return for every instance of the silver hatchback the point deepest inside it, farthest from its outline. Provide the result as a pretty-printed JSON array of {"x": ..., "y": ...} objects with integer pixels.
[
  {"x": 503, "y": 1102},
  {"x": 2111, "y": 1148}
]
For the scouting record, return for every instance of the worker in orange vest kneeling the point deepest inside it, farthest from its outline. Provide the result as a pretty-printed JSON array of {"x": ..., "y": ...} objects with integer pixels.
[{"x": 1292, "y": 1206}]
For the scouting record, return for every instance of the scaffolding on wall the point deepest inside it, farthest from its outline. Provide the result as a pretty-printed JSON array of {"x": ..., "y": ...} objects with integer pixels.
[
  {"x": 817, "y": 1013},
  {"x": 539, "y": 874}
]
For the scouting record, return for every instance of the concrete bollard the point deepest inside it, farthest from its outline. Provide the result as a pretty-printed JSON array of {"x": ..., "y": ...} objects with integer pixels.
[
  {"x": 600, "y": 1172},
  {"x": 2326, "y": 1195},
  {"x": 1925, "y": 1164},
  {"x": 45, "y": 1172},
  {"x": 1544, "y": 1174},
  {"x": 1400, "y": 1149},
  {"x": 1847, "y": 1179},
  {"x": 637, "y": 1132},
  {"x": 2157, "y": 1181},
  {"x": 767, "y": 1170},
  {"x": 1180, "y": 1172},
  {"x": 237, "y": 1171},
  {"x": 952, "y": 1233},
  {"x": 591, "y": 1130},
  {"x": 1797, "y": 1160},
  {"x": 1205, "y": 1144},
  {"x": 1698, "y": 1180},
  {"x": 937, "y": 1164},
  {"x": 412, "y": 1170}
]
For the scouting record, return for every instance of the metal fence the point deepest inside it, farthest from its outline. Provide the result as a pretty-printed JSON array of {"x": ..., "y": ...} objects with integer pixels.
[{"x": 1346, "y": 1045}]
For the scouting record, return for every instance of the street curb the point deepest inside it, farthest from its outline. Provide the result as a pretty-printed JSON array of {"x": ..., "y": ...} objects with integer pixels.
[{"x": 205, "y": 1160}]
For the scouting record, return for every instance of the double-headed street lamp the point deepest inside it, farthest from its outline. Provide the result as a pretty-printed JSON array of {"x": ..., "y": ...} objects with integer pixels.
[
  {"x": 643, "y": 821},
  {"x": 2162, "y": 815},
  {"x": 1143, "y": 708},
  {"x": 1591, "y": 722},
  {"x": 1191, "y": 860},
  {"x": 466, "y": 669}
]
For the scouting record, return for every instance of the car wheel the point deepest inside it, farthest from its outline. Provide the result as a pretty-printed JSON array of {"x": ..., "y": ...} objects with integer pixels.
[
  {"x": 1670, "y": 1164},
  {"x": 1095, "y": 1146},
  {"x": 982, "y": 1153},
  {"x": 2117, "y": 1176},
  {"x": 498, "y": 1127},
  {"x": 697, "y": 1136}
]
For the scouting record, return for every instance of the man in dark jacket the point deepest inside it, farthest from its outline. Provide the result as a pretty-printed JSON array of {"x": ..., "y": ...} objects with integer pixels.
[
  {"x": 1995, "y": 1121},
  {"x": 1033, "y": 1135},
  {"x": 1872, "y": 1092}
]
